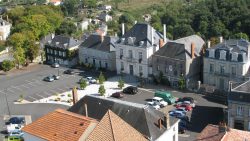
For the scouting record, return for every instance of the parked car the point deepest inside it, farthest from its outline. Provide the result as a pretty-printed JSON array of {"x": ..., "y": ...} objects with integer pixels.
[
  {"x": 14, "y": 128},
  {"x": 56, "y": 77},
  {"x": 153, "y": 105},
  {"x": 15, "y": 138},
  {"x": 181, "y": 110},
  {"x": 49, "y": 79},
  {"x": 55, "y": 65},
  {"x": 166, "y": 96},
  {"x": 130, "y": 90},
  {"x": 184, "y": 118},
  {"x": 189, "y": 103},
  {"x": 91, "y": 80},
  {"x": 117, "y": 95},
  {"x": 16, "y": 120},
  {"x": 69, "y": 71},
  {"x": 182, "y": 129},
  {"x": 177, "y": 113},
  {"x": 190, "y": 99},
  {"x": 159, "y": 101},
  {"x": 19, "y": 134},
  {"x": 183, "y": 106}
]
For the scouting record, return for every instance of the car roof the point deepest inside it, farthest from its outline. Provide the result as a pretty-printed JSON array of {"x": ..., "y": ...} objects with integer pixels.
[
  {"x": 150, "y": 102},
  {"x": 157, "y": 98}
]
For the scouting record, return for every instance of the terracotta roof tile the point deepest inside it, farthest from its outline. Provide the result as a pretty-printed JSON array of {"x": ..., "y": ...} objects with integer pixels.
[
  {"x": 211, "y": 133},
  {"x": 113, "y": 128},
  {"x": 60, "y": 125}
]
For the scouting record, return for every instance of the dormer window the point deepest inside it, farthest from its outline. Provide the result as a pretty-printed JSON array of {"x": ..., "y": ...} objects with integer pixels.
[
  {"x": 130, "y": 40},
  {"x": 211, "y": 53},
  {"x": 234, "y": 56},
  {"x": 223, "y": 55}
]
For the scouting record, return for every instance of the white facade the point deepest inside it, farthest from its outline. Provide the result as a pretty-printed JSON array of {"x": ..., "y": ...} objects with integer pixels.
[
  {"x": 83, "y": 25},
  {"x": 97, "y": 58},
  {"x": 29, "y": 137},
  {"x": 138, "y": 63},
  {"x": 171, "y": 134},
  {"x": 4, "y": 29}
]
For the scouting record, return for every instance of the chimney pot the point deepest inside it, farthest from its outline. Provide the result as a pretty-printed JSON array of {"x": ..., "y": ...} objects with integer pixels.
[
  {"x": 221, "y": 39},
  {"x": 75, "y": 96},
  {"x": 123, "y": 29},
  {"x": 164, "y": 33},
  {"x": 166, "y": 121},
  {"x": 159, "y": 123},
  {"x": 86, "y": 109},
  {"x": 192, "y": 50}
]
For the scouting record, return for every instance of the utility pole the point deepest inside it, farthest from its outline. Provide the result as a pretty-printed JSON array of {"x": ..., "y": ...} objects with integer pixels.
[{"x": 5, "y": 91}]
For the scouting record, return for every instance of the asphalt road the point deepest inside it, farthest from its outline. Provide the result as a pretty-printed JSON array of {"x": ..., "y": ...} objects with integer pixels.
[{"x": 205, "y": 112}]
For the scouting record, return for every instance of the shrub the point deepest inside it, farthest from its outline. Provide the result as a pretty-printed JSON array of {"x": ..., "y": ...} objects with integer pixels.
[
  {"x": 102, "y": 90},
  {"x": 120, "y": 84},
  {"x": 7, "y": 65},
  {"x": 101, "y": 78},
  {"x": 83, "y": 84}
]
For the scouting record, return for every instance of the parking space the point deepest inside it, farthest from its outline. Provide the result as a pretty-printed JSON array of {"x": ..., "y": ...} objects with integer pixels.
[{"x": 205, "y": 111}]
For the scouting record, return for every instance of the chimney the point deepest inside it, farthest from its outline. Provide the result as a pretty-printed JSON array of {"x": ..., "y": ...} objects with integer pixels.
[
  {"x": 86, "y": 109},
  {"x": 159, "y": 123},
  {"x": 152, "y": 35},
  {"x": 164, "y": 33},
  {"x": 192, "y": 50},
  {"x": 135, "y": 22},
  {"x": 221, "y": 39},
  {"x": 222, "y": 127},
  {"x": 75, "y": 96},
  {"x": 166, "y": 121},
  {"x": 123, "y": 29},
  {"x": 208, "y": 44},
  {"x": 161, "y": 43}
]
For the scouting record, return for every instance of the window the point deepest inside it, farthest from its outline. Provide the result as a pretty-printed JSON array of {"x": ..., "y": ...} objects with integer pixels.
[
  {"x": 86, "y": 60},
  {"x": 140, "y": 69},
  {"x": 240, "y": 111},
  {"x": 56, "y": 52},
  {"x": 166, "y": 69},
  {"x": 233, "y": 71},
  {"x": 158, "y": 68},
  {"x": 222, "y": 69},
  {"x": 249, "y": 112},
  {"x": 121, "y": 52},
  {"x": 47, "y": 50},
  {"x": 93, "y": 62},
  {"x": 122, "y": 66},
  {"x": 64, "y": 54},
  {"x": 130, "y": 54},
  {"x": 100, "y": 64},
  {"x": 140, "y": 55},
  {"x": 106, "y": 65},
  {"x": 60, "y": 53},
  {"x": 211, "y": 68},
  {"x": 248, "y": 126}
]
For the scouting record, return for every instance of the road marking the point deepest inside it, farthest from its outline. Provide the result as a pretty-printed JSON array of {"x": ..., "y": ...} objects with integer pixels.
[
  {"x": 32, "y": 97},
  {"x": 10, "y": 90},
  {"x": 24, "y": 86},
  {"x": 16, "y": 87},
  {"x": 46, "y": 93},
  {"x": 39, "y": 95},
  {"x": 2, "y": 92}
]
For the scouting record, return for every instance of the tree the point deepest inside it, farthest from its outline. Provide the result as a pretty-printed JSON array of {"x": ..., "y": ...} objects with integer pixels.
[
  {"x": 7, "y": 65},
  {"x": 66, "y": 28},
  {"x": 126, "y": 18},
  {"x": 32, "y": 52},
  {"x": 117, "y": 2},
  {"x": 19, "y": 56},
  {"x": 240, "y": 36},
  {"x": 83, "y": 84},
  {"x": 102, "y": 90},
  {"x": 120, "y": 83},
  {"x": 181, "y": 82},
  {"x": 101, "y": 78},
  {"x": 69, "y": 7}
]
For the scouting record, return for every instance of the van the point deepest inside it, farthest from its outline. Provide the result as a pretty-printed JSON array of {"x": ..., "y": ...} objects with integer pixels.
[{"x": 166, "y": 96}]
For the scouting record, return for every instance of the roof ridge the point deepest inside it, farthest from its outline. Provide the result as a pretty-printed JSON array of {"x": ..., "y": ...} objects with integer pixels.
[
  {"x": 75, "y": 115},
  {"x": 111, "y": 124}
]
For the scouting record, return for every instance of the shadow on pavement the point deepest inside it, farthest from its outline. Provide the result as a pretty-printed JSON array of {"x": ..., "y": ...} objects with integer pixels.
[{"x": 202, "y": 116}]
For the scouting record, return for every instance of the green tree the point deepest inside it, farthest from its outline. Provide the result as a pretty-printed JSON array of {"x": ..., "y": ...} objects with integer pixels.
[
  {"x": 102, "y": 90},
  {"x": 240, "y": 36},
  {"x": 126, "y": 18},
  {"x": 19, "y": 56},
  {"x": 120, "y": 83},
  {"x": 83, "y": 84},
  {"x": 181, "y": 82},
  {"x": 7, "y": 65},
  {"x": 101, "y": 78},
  {"x": 32, "y": 52},
  {"x": 70, "y": 7},
  {"x": 66, "y": 28}
]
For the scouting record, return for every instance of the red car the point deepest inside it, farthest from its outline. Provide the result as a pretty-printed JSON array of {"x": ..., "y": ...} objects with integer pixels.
[
  {"x": 182, "y": 106},
  {"x": 117, "y": 95}
]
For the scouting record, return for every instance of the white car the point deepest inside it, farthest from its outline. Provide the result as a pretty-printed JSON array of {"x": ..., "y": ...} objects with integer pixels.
[
  {"x": 14, "y": 128},
  {"x": 18, "y": 133},
  {"x": 91, "y": 80},
  {"x": 159, "y": 101},
  {"x": 189, "y": 103},
  {"x": 55, "y": 65},
  {"x": 154, "y": 105}
]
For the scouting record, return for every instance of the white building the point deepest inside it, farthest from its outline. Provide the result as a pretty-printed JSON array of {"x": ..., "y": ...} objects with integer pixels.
[
  {"x": 4, "y": 29},
  {"x": 105, "y": 17},
  {"x": 227, "y": 61},
  {"x": 106, "y": 7},
  {"x": 83, "y": 25},
  {"x": 135, "y": 49}
]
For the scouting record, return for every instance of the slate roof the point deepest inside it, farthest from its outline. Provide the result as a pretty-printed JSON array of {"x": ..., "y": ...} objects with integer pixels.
[
  {"x": 60, "y": 125},
  {"x": 181, "y": 48},
  {"x": 211, "y": 133},
  {"x": 142, "y": 32},
  {"x": 240, "y": 93},
  {"x": 142, "y": 118},
  {"x": 113, "y": 128},
  {"x": 94, "y": 42},
  {"x": 63, "y": 40}
]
